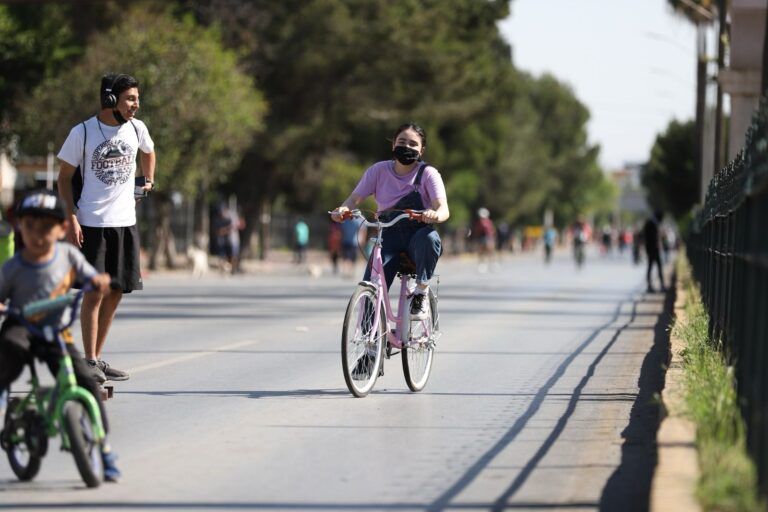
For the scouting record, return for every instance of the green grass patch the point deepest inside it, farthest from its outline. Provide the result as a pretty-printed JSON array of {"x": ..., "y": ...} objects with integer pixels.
[{"x": 728, "y": 476}]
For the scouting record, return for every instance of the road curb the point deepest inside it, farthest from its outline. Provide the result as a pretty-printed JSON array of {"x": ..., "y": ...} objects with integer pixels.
[{"x": 677, "y": 468}]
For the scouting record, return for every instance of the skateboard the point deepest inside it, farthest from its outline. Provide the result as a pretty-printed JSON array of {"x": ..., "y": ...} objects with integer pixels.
[{"x": 107, "y": 390}]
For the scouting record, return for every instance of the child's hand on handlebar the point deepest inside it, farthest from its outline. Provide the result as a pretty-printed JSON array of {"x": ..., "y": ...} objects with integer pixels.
[{"x": 101, "y": 282}]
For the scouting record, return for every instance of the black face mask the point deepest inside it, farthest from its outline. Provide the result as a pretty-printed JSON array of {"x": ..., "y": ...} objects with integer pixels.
[
  {"x": 405, "y": 155},
  {"x": 119, "y": 117}
]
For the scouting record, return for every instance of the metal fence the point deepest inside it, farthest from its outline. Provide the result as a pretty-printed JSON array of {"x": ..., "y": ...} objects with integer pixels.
[{"x": 728, "y": 249}]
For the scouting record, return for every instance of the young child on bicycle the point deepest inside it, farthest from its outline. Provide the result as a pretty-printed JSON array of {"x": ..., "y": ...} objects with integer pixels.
[
  {"x": 406, "y": 182},
  {"x": 45, "y": 268}
]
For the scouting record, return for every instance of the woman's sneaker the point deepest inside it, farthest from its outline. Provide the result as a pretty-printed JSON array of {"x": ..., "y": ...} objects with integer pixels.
[
  {"x": 364, "y": 367},
  {"x": 112, "y": 373},
  {"x": 420, "y": 306}
]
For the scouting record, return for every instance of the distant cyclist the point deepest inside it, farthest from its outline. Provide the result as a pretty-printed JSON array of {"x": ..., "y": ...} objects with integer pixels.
[
  {"x": 406, "y": 182},
  {"x": 580, "y": 232}
]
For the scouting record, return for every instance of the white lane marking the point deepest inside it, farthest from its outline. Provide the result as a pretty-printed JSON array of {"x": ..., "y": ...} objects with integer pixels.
[{"x": 188, "y": 357}]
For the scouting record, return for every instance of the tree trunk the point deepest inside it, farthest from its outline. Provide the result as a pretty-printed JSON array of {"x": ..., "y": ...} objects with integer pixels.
[
  {"x": 265, "y": 218},
  {"x": 202, "y": 222},
  {"x": 165, "y": 244}
]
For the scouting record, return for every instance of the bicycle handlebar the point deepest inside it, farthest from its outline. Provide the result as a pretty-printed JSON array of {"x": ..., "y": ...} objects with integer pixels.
[
  {"x": 408, "y": 214},
  {"x": 38, "y": 307}
]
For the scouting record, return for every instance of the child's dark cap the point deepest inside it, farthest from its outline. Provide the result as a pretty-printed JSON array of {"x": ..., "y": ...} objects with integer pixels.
[{"x": 41, "y": 203}]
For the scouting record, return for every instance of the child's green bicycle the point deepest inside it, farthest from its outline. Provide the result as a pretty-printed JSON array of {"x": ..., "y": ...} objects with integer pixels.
[{"x": 65, "y": 409}]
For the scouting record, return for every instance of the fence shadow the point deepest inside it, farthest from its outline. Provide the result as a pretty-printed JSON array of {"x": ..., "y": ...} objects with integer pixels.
[{"x": 629, "y": 487}]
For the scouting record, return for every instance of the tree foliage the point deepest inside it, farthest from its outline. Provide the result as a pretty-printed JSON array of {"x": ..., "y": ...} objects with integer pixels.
[
  {"x": 202, "y": 111},
  {"x": 338, "y": 76},
  {"x": 670, "y": 178},
  {"x": 338, "y": 86},
  {"x": 698, "y": 11}
]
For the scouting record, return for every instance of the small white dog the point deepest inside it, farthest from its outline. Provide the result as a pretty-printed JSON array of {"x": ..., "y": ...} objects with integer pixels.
[{"x": 199, "y": 259}]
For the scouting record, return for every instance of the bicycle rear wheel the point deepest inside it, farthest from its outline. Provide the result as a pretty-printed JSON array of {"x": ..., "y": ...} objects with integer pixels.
[
  {"x": 362, "y": 348},
  {"x": 419, "y": 350},
  {"x": 82, "y": 443}
]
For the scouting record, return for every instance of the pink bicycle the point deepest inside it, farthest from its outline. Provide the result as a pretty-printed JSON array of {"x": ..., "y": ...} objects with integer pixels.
[{"x": 372, "y": 331}]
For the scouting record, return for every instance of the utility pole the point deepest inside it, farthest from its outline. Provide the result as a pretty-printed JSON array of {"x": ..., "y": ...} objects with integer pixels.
[
  {"x": 764, "y": 84},
  {"x": 701, "y": 87},
  {"x": 722, "y": 8}
]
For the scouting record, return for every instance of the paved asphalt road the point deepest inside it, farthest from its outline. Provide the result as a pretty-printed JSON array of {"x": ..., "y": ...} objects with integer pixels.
[{"x": 541, "y": 397}]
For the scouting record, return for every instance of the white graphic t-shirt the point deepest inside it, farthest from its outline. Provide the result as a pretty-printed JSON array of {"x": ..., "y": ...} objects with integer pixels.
[{"x": 110, "y": 170}]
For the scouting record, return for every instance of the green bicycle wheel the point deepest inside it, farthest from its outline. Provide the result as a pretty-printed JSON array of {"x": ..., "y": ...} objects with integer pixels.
[
  {"x": 82, "y": 442},
  {"x": 19, "y": 442}
]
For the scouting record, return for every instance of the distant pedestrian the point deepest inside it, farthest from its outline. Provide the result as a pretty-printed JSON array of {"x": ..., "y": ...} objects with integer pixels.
[
  {"x": 502, "y": 236},
  {"x": 625, "y": 239},
  {"x": 228, "y": 226},
  {"x": 652, "y": 238},
  {"x": 350, "y": 244},
  {"x": 637, "y": 242},
  {"x": 484, "y": 233},
  {"x": 334, "y": 245},
  {"x": 606, "y": 240},
  {"x": 550, "y": 235},
  {"x": 301, "y": 241}
]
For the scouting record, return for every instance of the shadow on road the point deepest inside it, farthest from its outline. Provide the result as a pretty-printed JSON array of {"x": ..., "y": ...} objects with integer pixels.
[
  {"x": 287, "y": 393},
  {"x": 629, "y": 487}
]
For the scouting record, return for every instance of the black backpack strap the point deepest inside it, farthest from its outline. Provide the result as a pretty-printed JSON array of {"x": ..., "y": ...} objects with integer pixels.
[
  {"x": 82, "y": 164},
  {"x": 418, "y": 174},
  {"x": 138, "y": 161},
  {"x": 136, "y": 130}
]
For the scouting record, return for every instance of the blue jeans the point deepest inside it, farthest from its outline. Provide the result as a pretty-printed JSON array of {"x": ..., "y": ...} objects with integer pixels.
[{"x": 423, "y": 246}]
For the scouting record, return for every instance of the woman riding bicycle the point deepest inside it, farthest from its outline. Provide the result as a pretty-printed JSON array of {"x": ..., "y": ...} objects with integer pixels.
[{"x": 405, "y": 182}]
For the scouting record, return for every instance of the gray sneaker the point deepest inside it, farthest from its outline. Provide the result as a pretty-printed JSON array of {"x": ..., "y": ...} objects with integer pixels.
[
  {"x": 95, "y": 371},
  {"x": 112, "y": 373}
]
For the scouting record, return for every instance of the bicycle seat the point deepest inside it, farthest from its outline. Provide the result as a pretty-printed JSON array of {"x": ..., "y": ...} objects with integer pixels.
[{"x": 407, "y": 267}]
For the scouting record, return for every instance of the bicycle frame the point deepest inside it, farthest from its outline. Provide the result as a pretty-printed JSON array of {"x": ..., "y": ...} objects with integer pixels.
[{"x": 379, "y": 282}]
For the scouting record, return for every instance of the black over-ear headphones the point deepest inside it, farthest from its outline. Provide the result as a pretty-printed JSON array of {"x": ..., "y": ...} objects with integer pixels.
[{"x": 108, "y": 97}]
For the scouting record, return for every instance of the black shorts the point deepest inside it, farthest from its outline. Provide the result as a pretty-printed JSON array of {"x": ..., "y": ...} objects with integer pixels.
[{"x": 116, "y": 252}]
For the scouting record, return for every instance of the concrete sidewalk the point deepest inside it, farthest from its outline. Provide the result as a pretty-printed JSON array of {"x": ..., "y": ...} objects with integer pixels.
[{"x": 677, "y": 469}]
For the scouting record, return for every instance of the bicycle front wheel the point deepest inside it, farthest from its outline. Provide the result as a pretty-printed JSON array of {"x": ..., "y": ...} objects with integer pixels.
[
  {"x": 82, "y": 442},
  {"x": 362, "y": 341},
  {"x": 419, "y": 349},
  {"x": 20, "y": 443}
]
